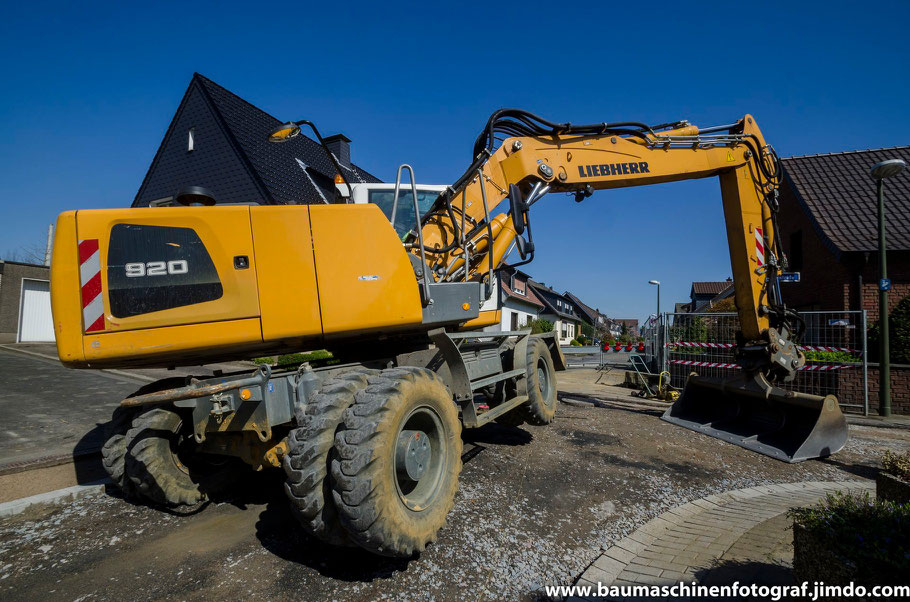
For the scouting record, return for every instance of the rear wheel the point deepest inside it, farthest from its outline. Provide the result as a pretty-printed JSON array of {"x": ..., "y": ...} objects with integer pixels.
[
  {"x": 113, "y": 452},
  {"x": 399, "y": 456},
  {"x": 308, "y": 485},
  {"x": 163, "y": 463},
  {"x": 540, "y": 409}
]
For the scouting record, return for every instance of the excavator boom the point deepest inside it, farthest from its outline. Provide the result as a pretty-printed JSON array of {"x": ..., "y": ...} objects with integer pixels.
[{"x": 460, "y": 239}]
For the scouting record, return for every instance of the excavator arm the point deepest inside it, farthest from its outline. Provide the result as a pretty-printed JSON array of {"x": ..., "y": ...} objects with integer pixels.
[
  {"x": 466, "y": 237},
  {"x": 523, "y": 168}
]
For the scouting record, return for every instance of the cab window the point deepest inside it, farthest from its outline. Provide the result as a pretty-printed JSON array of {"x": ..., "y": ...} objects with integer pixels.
[{"x": 404, "y": 215}]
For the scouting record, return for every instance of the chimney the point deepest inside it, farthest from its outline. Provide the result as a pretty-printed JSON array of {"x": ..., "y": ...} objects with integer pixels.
[{"x": 340, "y": 145}]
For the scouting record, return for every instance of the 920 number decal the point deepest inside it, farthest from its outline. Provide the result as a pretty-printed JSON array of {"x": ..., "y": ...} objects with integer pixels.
[{"x": 156, "y": 268}]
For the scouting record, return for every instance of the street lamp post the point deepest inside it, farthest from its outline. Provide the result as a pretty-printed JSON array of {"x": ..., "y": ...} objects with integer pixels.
[
  {"x": 659, "y": 329},
  {"x": 880, "y": 171}
]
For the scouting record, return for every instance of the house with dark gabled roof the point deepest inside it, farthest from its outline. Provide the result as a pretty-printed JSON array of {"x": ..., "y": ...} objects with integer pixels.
[
  {"x": 518, "y": 303},
  {"x": 829, "y": 230},
  {"x": 828, "y": 225},
  {"x": 558, "y": 309},
  {"x": 218, "y": 141},
  {"x": 598, "y": 321}
]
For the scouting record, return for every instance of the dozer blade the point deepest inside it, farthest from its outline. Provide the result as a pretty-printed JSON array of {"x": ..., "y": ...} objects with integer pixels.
[{"x": 750, "y": 412}]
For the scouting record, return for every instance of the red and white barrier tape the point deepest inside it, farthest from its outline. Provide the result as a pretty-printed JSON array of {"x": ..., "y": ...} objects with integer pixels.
[
  {"x": 808, "y": 367},
  {"x": 730, "y": 346}
]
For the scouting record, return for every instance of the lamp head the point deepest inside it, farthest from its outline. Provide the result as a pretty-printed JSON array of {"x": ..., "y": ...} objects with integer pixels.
[
  {"x": 657, "y": 282},
  {"x": 887, "y": 169},
  {"x": 284, "y": 132}
]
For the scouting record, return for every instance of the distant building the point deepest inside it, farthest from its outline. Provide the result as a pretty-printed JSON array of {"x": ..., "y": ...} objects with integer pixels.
[
  {"x": 25, "y": 303},
  {"x": 218, "y": 141},
  {"x": 599, "y": 321},
  {"x": 519, "y": 304},
  {"x": 558, "y": 309},
  {"x": 631, "y": 325},
  {"x": 703, "y": 295}
]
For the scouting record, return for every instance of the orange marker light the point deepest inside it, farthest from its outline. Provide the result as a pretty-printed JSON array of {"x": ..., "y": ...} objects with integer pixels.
[
  {"x": 245, "y": 394},
  {"x": 466, "y": 306},
  {"x": 339, "y": 179}
]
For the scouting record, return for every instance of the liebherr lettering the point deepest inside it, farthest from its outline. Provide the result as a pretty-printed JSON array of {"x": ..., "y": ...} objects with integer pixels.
[{"x": 612, "y": 169}]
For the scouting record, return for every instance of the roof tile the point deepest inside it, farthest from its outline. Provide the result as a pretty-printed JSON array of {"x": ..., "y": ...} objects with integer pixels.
[{"x": 840, "y": 196}]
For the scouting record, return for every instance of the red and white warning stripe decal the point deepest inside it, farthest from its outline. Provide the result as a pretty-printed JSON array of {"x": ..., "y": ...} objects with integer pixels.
[
  {"x": 90, "y": 279},
  {"x": 730, "y": 346},
  {"x": 759, "y": 247},
  {"x": 810, "y": 367}
]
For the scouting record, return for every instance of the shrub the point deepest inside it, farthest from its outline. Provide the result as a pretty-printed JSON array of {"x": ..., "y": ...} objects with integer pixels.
[
  {"x": 574, "y": 343},
  {"x": 295, "y": 358},
  {"x": 540, "y": 326},
  {"x": 898, "y": 334},
  {"x": 837, "y": 357},
  {"x": 897, "y": 464},
  {"x": 862, "y": 532}
]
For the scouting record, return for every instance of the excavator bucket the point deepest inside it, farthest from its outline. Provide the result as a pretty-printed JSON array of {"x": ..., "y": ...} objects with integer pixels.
[{"x": 750, "y": 412}]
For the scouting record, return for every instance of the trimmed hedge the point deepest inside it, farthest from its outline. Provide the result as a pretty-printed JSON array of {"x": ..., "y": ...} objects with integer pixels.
[{"x": 852, "y": 538}]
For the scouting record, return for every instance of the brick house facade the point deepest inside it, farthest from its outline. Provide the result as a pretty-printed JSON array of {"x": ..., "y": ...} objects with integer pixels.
[{"x": 829, "y": 233}]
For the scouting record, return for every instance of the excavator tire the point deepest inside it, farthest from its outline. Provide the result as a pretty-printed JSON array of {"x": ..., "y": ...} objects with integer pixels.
[
  {"x": 113, "y": 452},
  {"x": 399, "y": 457},
  {"x": 540, "y": 409},
  {"x": 307, "y": 464},
  {"x": 515, "y": 417},
  {"x": 163, "y": 465}
]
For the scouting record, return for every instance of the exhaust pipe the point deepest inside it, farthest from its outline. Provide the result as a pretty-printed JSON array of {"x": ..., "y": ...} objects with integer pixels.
[{"x": 751, "y": 412}]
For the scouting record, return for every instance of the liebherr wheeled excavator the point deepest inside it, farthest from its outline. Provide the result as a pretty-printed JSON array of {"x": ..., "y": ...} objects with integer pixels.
[{"x": 371, "y": 442}]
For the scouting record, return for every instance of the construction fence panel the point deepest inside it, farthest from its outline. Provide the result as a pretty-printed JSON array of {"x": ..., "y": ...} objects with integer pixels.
[{"x": 834, "y": 343}]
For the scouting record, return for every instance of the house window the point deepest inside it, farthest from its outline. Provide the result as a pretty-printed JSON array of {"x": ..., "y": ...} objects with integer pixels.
[
  {"x": 514, "y": 320},
  {"x": 190, "y": 140},
  {"x": 518, "y": 287},
  {"x": 796, "y": 251}
]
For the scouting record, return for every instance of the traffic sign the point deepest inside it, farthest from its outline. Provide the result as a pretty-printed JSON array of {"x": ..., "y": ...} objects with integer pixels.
[
  {"x": 788, "y": 277},
  {"x": 884, "y": 284}
]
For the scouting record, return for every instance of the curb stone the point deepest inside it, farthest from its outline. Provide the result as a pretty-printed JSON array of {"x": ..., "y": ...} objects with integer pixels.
[
  {"x": 60, "y": 496},
  {"x": 672, "y": 546}
]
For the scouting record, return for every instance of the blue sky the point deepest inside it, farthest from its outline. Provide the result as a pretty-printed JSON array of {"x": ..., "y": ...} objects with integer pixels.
[{"x": 88, "y": 90}]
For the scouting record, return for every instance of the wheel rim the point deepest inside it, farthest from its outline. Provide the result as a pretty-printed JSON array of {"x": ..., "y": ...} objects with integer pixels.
[
  {"x": 186, "y": 456},
  {"x": 419, "y": 458},
  {"x": 544, "y": 382}
]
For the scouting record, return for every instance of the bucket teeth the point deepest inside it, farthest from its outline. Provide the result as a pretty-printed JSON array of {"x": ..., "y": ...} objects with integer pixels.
[{"x": 750, "y": 412}]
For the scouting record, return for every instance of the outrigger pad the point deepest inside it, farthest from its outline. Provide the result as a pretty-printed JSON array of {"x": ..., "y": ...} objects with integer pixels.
[{"x": 750, "y": 412}]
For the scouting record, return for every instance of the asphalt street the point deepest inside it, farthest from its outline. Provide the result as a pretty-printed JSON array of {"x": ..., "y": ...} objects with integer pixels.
[{"x": 51, "y": 411}]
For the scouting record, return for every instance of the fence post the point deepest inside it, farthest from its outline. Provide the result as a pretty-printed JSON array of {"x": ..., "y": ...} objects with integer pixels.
[{"x": 865, "y": 369}]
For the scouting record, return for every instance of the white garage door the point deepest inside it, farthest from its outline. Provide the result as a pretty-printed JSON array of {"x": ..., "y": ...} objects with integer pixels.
[{"x": 35, "y": 321}]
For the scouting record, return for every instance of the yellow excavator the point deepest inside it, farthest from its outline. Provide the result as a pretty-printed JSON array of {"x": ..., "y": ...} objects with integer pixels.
[{"x": 371, "y": 441}]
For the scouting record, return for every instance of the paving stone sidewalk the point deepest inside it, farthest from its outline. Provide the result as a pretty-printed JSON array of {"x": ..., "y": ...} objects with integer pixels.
[{"x": 738, "y": 535}]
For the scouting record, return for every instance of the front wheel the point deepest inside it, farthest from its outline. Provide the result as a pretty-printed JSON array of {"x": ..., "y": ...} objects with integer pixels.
[{"x": 399, "y": 456}]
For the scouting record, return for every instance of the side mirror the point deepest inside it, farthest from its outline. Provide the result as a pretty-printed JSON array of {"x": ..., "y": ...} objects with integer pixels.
[
  {"x": 521, "y": 244},
  {"x": 519, "y": 209}
]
